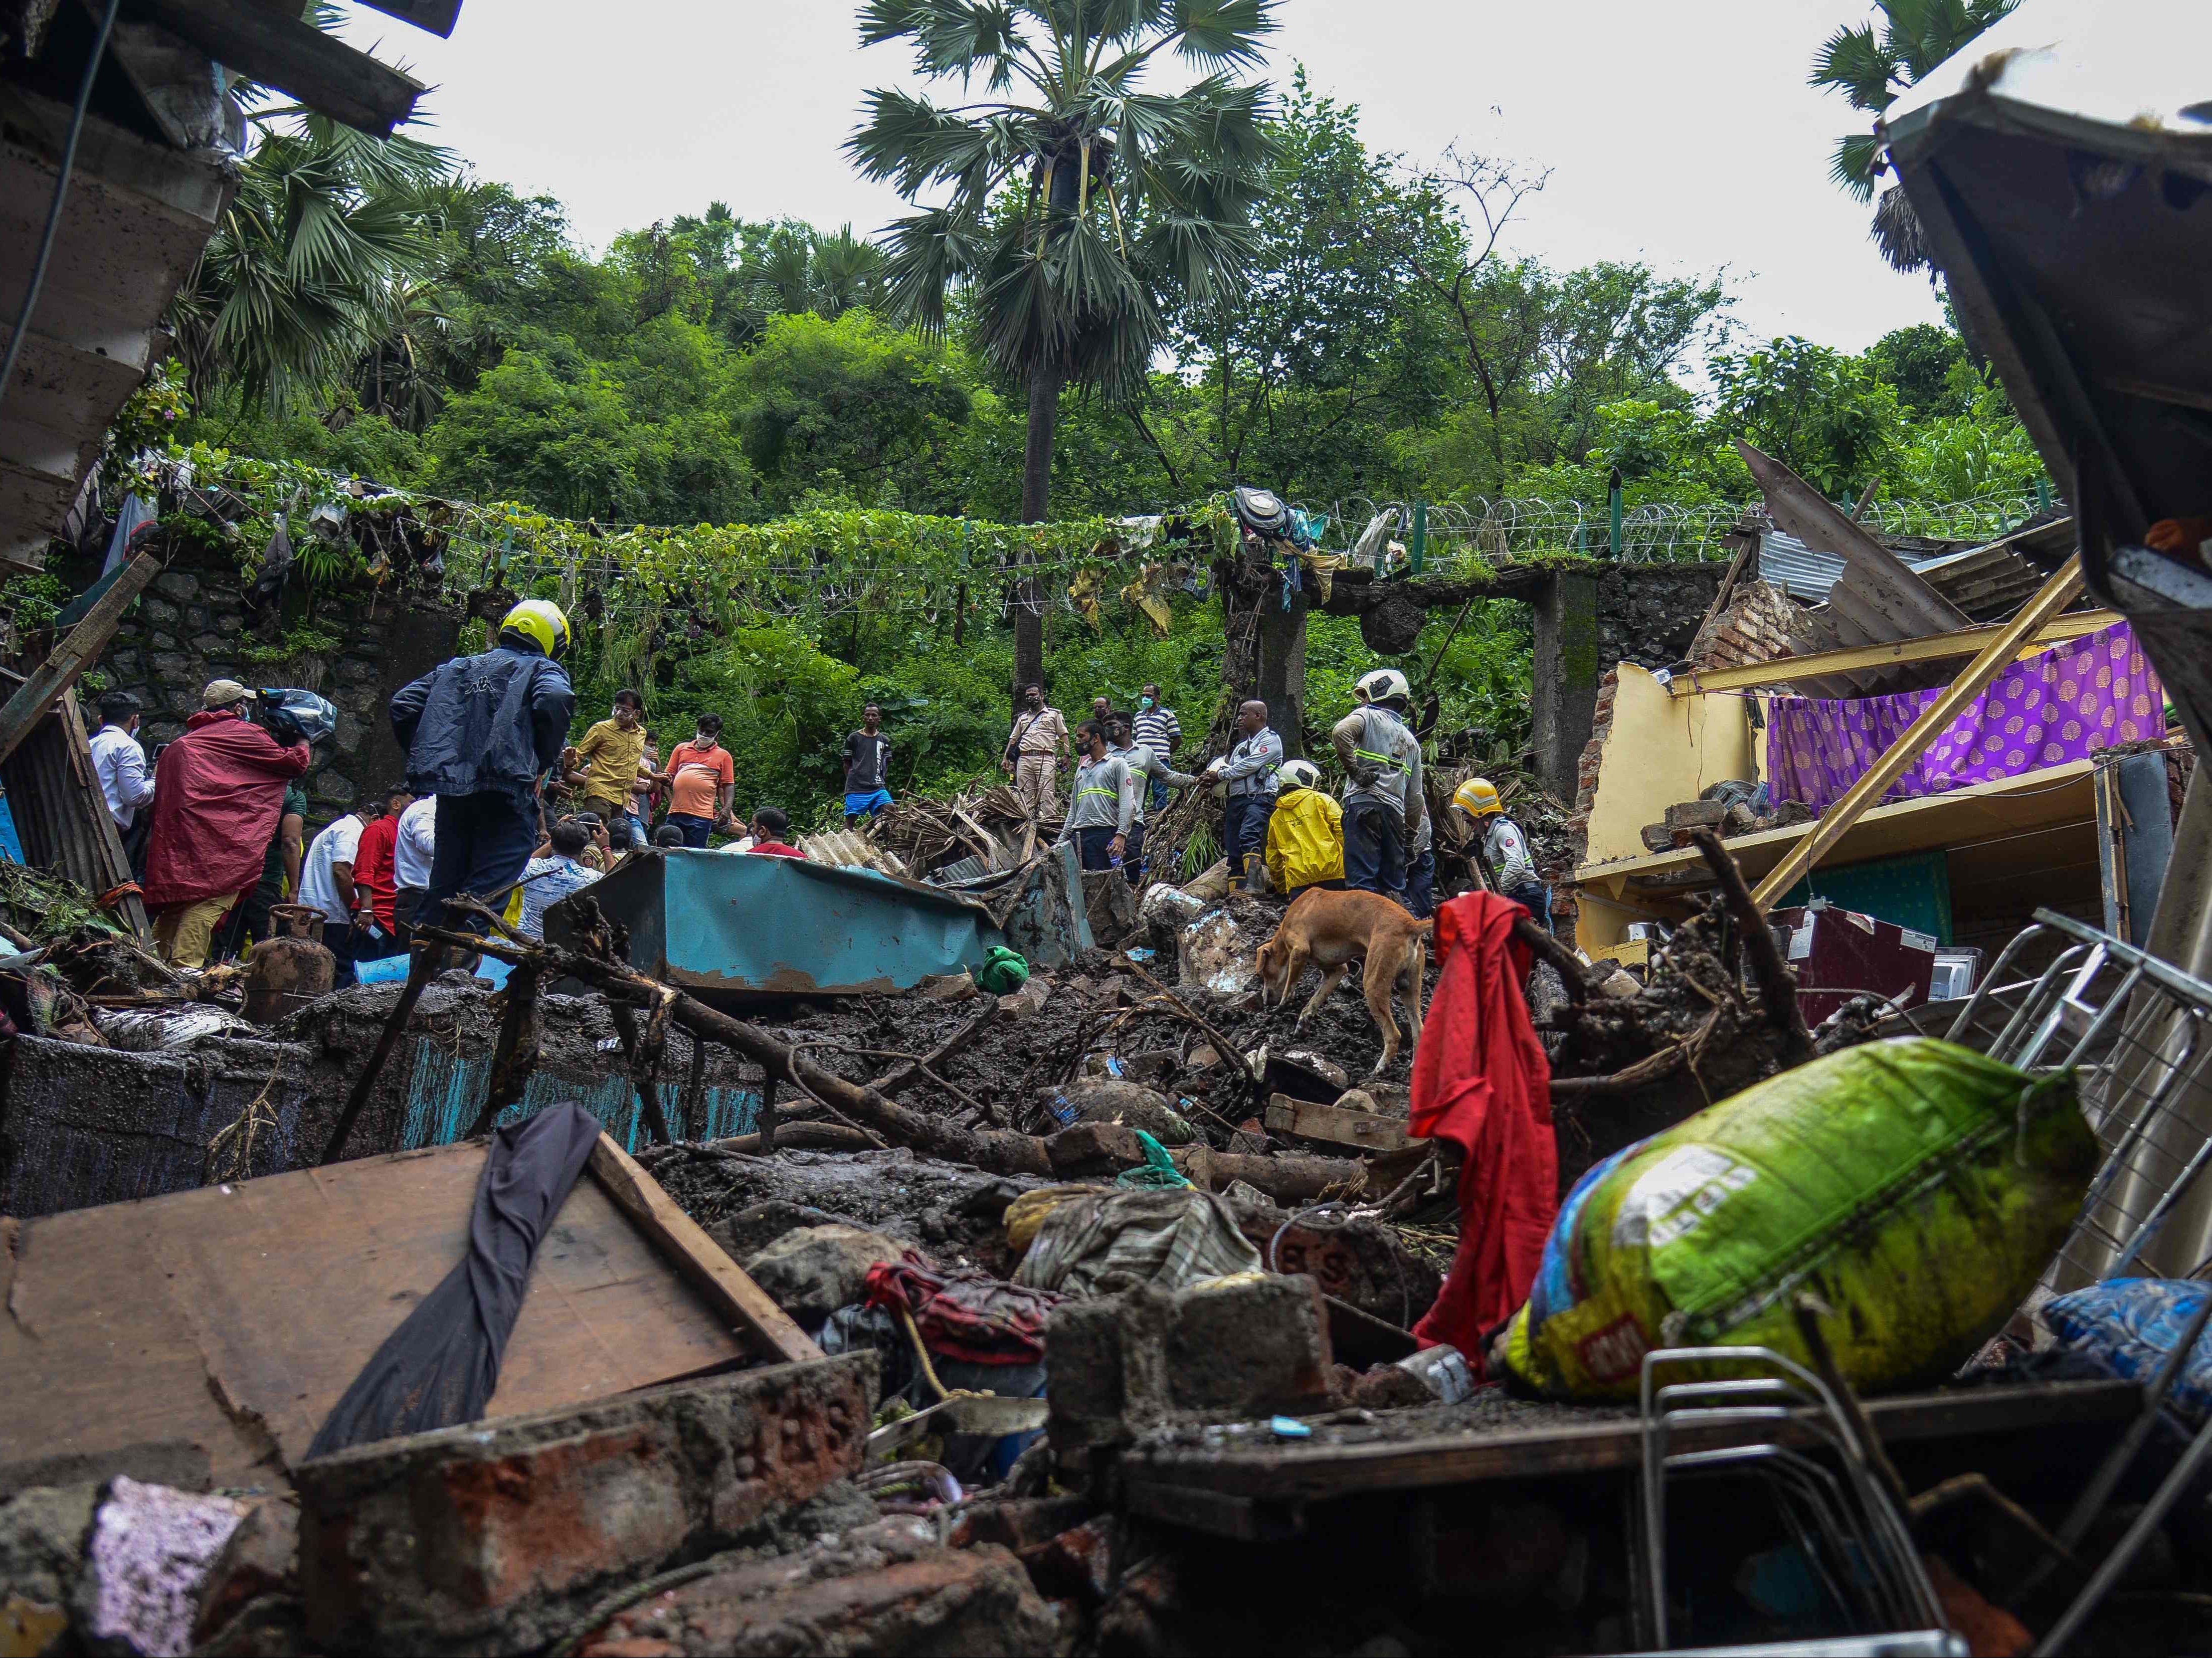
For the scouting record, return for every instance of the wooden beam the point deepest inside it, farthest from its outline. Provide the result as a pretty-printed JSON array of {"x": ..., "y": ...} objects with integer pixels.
[
  {"x": 76, "y": 650},
  {"x": 275, "y": 46},
  {"x": 702, "y": 1262},
  {"x": 1997, "y": 655},
  {"x": 1934, "y": 647}
]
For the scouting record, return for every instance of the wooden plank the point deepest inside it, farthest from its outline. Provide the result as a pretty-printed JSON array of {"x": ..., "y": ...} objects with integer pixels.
[
  {"x": 701, "y": 1261},
  {"x": 274, "y": 45},
  {"x": 1934, "y": 647},
  {"x": 73, "y": 653},
  {"x": 1612, "y": 1443},
  {"x": 1997, "y": 656},
  {"x": 1368, "y": 1131},
  {"x": 105, "y": 840},
  {"x": 236, "y": 1315}
]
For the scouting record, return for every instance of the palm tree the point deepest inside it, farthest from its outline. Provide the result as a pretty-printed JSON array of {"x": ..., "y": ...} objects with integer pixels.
[
  {"x": 1074, "y": 208},
  {"x": 1870, "y": 68},
  {"x": 318, "y": 259}
]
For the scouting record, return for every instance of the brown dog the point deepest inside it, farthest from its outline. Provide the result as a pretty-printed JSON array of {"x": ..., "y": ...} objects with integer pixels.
[{"x": 1331, "y": 930}]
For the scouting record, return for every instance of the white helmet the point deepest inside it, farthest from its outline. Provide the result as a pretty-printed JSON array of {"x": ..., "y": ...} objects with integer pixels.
[
  {"x": 1303, "y": 772},
  {"x": 1383, "y": 684}
]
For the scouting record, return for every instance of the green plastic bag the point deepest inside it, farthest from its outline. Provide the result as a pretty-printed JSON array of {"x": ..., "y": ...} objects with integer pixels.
[
  {"x": 1917, "y": 1187},
  {"x": 1003, "y": 972}
]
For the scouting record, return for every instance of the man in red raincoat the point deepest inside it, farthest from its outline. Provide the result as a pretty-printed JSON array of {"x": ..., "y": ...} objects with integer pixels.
[{"x": 218, "y": 793}]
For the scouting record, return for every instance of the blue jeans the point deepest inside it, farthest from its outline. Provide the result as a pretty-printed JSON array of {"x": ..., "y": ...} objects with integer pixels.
[
  {"x": 1421, "y": 885},
  {"x": 1244, "y": 830},
  {"x": 1157, "y": 796},
  {"x": 483, "y": 841},
  {"x": 1091, "y": 847},
  {"x": 1538, "y": 897},
  {"x": 694, "y": 829},
  {"x": 1374, "y": 855},
  {"x": 1133, "y": 854}
]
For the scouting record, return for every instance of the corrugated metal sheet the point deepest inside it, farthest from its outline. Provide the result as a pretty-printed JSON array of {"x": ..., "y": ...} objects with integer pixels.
[{"x": 1790, "y": 563}]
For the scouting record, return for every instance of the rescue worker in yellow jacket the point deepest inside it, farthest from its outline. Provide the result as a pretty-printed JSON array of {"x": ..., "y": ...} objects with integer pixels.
[{"x": 1305, "y": 836}]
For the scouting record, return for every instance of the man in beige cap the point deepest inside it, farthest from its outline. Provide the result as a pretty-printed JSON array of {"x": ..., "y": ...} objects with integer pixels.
[{"x": 218, "y": 794}]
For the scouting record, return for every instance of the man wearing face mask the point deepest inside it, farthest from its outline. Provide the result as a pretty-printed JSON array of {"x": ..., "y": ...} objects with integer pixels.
[
  {"x": 1248, "y": 774},
  {"x": 1035, "y": 751},
  {"x": 1156, "y": 728}
]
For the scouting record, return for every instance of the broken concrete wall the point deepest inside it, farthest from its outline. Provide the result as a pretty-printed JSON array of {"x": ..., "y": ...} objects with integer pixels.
[{"x": 85, "y": 1126}]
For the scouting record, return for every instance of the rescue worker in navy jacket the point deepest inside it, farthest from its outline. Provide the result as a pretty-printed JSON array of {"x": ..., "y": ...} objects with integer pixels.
[{"x": 479, "y": 732}]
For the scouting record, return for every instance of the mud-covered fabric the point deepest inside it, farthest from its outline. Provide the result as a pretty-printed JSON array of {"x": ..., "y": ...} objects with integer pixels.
[
  {"x": 965, "y": 1314},
  {"x": 1103, "y": 1245},
  {"x": 440, "y": 1367}
]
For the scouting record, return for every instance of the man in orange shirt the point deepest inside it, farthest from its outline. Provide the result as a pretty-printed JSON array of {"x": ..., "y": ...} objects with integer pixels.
[{"x": 700, "y": 779}]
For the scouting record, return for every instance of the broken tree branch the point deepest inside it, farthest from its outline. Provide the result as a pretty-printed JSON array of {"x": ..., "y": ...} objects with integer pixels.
[
  {"x": 1534, "y": 937},
  {"x": 422, "y": 967},
  {"x": 998, "y": 1151},
  {"x": 515, "y": 1055},
  {"x": 1778, "y": 986},
  {"x": 897, "y": 1081}
]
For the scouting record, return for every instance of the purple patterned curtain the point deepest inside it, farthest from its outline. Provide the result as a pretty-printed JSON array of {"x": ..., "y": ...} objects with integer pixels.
[{"x": 2059, "y": 705}]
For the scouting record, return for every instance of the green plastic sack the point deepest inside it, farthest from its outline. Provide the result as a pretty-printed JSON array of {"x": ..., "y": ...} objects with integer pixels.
[
  {"x": 1917, "y": 1187},
  {"x": 1003, "y": 972}
]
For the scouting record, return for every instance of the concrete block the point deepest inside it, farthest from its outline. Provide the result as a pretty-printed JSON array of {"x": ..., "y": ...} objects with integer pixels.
[
  {"x": 1250, "y": 1347},
  {"x": 813, "y": 1271},
  {"x": 488, "y": 1539},
  {"x": 886, "y": 1590},
  {"x": 262, "y": 1558},
  {"x": 1696, "y": 814},
  {"x": 1107, "y": 1360},
  {"x": 1094, "y": 1148}
]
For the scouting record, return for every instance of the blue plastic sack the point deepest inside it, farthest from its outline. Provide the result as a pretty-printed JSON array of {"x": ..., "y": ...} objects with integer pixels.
[{"x": 2132, "y": 1324}]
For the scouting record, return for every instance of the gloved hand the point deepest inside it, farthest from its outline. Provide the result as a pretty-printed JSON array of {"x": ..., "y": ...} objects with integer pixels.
[{"x": 1363, "y": 773}]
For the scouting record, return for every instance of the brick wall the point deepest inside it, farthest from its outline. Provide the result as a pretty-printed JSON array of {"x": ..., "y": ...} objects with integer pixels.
[{"x": 1758, "y": 626}]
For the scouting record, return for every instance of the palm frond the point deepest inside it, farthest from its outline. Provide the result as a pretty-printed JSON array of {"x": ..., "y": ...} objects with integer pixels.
[
  {"x": 1856, "y": 63},
  {"x": 1224, "y": 33},
  {"x": 1853, "y": 163}
]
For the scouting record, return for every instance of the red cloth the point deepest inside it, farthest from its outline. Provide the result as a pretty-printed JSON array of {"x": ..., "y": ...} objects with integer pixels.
[
  {"x": 965, "y": 1313},
  {"x": 1480, "y": 1080},
  {"x": 217, "y": 795},
  {"x": 373, "y": 868},
  {"x": 776, "y": 849}
]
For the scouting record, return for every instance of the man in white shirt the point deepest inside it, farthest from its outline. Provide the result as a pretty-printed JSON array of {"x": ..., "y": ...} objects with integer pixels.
[
  {"x": 326, "y": 883},
  {"x": 120, "y": 764},
  {"x": 410, "y": 861}
]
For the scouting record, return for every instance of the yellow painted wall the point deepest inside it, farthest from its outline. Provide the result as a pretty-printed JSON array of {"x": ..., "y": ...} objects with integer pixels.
[{"x": 1663, "y": 750}]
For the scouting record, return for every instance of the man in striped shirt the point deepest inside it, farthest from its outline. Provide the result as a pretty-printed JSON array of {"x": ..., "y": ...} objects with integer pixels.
[{"x": 1158, "y": 729}]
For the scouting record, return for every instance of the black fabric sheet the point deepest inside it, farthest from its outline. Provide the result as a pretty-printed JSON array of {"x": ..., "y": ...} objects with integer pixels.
[{"x": 440, "y": 1367}]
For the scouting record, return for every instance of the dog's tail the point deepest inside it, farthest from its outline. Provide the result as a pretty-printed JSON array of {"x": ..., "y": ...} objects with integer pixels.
[{"x": 1426, "y": 928}]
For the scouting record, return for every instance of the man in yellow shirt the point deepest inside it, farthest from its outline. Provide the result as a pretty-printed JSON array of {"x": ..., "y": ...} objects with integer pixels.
[
  {"x": 605, "y": 764},
  {"x": 1305, "y": 836}
]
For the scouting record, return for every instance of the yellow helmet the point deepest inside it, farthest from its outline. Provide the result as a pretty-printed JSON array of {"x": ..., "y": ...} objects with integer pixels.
[
  {"x": 540, "y": 621},
  {"x": 1478, "y": 798}
]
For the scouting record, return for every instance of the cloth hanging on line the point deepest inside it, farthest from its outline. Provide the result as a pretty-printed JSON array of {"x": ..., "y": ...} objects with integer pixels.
[
  {"x": 442, "y": 1365},
  {"x": 2057, "y": 707},
  {"x": 1481, "y": 1081}
]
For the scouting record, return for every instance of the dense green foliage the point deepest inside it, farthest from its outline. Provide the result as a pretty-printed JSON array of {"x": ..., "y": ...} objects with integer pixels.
[{"x": 374, "y": 311}]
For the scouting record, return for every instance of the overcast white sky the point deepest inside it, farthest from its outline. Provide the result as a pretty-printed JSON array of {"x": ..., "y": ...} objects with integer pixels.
[{"x": 1684, "y": 134}]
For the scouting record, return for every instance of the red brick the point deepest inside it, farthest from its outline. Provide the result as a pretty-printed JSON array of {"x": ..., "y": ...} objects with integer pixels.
[
  {"x": 484, "y": 1539},
  {"x": 887, "y": 1589}
]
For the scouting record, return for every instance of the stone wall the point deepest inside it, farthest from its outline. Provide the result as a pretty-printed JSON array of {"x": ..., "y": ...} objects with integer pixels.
[
  {"x": 193, "y": 625},
  {"x": 1648, "y": 614}
]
